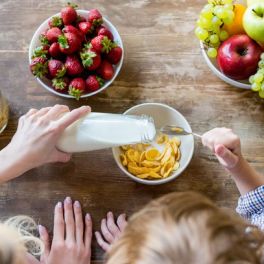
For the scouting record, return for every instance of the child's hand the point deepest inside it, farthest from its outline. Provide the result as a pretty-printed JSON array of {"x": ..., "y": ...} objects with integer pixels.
[
  {"x": 225, "y": 145},
  {"x": 34, "y": 142},
  {"x": 72, "y": 236},
  {"x": 111, "y": 230}
]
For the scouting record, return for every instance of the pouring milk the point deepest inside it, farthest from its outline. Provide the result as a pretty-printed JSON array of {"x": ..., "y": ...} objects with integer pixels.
[{"x": 100, "y": 130}]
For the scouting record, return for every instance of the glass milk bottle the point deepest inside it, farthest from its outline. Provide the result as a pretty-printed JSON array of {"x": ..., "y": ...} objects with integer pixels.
[{"x": 99, "y": 131}]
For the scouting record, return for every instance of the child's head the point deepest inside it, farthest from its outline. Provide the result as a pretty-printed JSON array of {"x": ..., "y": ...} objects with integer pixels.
[
  {"x": 186, "y": 228},
  {"x": 17, "y": 238}
]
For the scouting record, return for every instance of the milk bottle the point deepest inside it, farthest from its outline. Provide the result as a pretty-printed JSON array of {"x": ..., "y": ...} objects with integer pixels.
[{"x": 100, "y": 130}]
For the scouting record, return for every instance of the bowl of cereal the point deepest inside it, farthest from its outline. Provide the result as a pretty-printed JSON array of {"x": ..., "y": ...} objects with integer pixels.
[{"x": 166, "y": 157}]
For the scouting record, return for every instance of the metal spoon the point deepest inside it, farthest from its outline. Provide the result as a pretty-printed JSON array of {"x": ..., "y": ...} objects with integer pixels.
[{"x": 176, "y": 130}]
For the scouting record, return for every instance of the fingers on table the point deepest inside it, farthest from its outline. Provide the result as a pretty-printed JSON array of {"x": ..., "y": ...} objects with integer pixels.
[
  {"x": 69, "y": 220},
  {"x": 44, "y": 236},
  {"x": 122, "y": 222},
  {"x": 59, "y": 229},
  {"x": 79, "y": 229},
  {"x": 88, "y": 232},
  {"x": 110, "y": 230}
]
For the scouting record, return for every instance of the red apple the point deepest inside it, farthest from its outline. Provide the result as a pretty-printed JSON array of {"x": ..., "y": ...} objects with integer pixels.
[{"x": 238, "y": 57}]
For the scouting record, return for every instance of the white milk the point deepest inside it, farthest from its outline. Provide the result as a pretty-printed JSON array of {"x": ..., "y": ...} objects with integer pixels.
[{"x": 99, "y": 131}]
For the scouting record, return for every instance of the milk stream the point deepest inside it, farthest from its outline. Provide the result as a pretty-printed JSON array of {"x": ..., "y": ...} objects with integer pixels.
[{"x": 99, "y": 131}]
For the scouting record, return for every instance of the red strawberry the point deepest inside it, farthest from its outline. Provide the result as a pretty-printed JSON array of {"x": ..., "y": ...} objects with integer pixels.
[
  {"x": 69, "y": 43},
  {"x": 39, "y": 67},
  {"x": 101, "y": 44},
  {"x": 55, "y": 22},
  {"x": 74, "y": 30},
  {"x": 56, "y": 69},
  {"x": 61, "y": 84},
  {"x": 43, "y": 38},
  {"x": 115, "y": 55},
  {"x": 41, "y": 51},
  {"x": 69, "y": 14},
  {"x": 86, "y": 27},
  {"x": 54, "y": 50},
  {"x": 77, "y": 87},
  {"x": 73, "y": 65},
  {"x": 53, "y": 34},
  {"x": 91, "y": 60},
  {"x": 93, "y": 83},
  {"x": 105, "y": 32},
  {"x": 106, "y": 70},
  {"x": 95, "y": 17}
]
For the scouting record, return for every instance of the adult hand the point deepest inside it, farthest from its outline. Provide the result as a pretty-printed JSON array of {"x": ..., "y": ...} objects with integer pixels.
[
  {"x": 72, "y": 236},
  {"x": 34, "y": 142}
]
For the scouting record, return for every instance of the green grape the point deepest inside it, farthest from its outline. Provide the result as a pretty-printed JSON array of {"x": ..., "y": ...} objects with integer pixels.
[
  {"x": 221, "y": 13},
  {"x": 252, "y": 79},
  {"x": 261, "y": 71},
  {"x": 229, "y": 18},
  {"x": 223, "y": 35},
  {"x": 214, "y": 39},
  {"x": 258, "y": 77},
  {"x": 205, "y": 23},
  {"x": 255, "y": 87},
  {"x": 201, "y": 33},
  {"x": 216, "y": 21},
  {"x": 227, "y": 1},
  {"x": 262, "y": 56},
  {"x": 229, "y": 6},
  {"x": 212, "y": 52},
  {"x": 261, "y": 94},
  {"x": 261, "y": 64},
  {"x": 207, "y": 14}
]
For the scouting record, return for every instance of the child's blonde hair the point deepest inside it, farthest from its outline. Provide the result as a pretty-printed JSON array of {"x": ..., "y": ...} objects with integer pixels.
[
  {"x": 186, "y": 228},
  {"x": 18, "y": 236}
]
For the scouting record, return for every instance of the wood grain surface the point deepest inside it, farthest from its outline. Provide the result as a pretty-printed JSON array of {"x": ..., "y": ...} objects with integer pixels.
[{"x": 163, "y": 63}]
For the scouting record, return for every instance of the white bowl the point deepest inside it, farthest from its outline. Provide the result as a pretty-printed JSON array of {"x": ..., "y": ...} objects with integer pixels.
[
  {"x": 47, "y": 83},
  {"x": 212, "y": 63},
  {"x": 162, "y": 115}
]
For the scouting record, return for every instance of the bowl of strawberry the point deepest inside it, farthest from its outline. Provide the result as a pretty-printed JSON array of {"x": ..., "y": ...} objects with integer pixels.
[{"x": 76, "y": 53}]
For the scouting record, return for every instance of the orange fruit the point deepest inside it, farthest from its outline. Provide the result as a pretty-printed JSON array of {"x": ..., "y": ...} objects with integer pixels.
[{"x": 236, "y": 27}]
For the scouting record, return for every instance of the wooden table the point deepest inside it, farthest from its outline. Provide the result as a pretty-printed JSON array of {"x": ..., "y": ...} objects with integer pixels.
[{"x": 163, "y": 63}]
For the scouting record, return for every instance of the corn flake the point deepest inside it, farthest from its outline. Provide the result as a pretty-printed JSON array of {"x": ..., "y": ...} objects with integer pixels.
[{"x": 147, "y": 162}]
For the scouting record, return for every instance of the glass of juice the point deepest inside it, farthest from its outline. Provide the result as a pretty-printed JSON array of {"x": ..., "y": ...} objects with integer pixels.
[{"x": 4, "y": 113}]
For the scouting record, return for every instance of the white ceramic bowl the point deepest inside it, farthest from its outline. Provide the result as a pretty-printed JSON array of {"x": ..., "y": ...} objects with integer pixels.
[
  {"x": 212, "y": 63},
  {"x": 47, "y": 83},
  {"x": 162, "y": 115}
]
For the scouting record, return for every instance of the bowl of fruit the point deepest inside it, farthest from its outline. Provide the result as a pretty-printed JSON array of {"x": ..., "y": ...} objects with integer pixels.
[
  {"x": 76, "y": 53},
  {"x": 232, "y": 39}
]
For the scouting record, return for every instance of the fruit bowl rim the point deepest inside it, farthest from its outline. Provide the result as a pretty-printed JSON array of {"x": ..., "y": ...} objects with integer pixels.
[
  {"x": 110, "y": 26},
  {"x": 239, "y": 84}
]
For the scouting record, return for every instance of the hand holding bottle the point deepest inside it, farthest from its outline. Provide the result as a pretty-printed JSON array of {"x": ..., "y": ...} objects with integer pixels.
[{"x": 34, "y": 143}]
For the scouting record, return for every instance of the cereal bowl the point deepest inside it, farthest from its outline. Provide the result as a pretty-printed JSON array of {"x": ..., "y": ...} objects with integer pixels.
[
  {"x": 45, "y": 83},
  {"x": 162, "y": 115}
]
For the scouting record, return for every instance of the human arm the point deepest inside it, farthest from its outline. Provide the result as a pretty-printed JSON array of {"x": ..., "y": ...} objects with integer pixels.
[
  {"x": 34, "y": 142},
  {"x": 227, "y": 148}
]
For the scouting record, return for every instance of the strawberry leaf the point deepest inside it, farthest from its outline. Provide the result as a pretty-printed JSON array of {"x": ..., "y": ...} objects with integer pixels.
[
  {"x": 107, "y": 44},
  {"x": 59, "y": 84},
  {"x": 72, "y": 5},
  {"x": 63, "y": 42},
  {"x": 87, "y": 58},
  {"x": 75, "y": 92}
]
